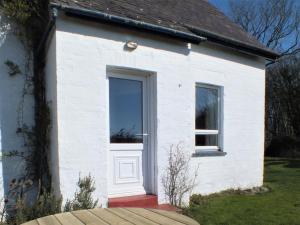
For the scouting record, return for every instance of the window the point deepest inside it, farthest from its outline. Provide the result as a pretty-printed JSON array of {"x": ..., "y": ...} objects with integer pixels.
[
  {"x": 126, "y": 110},
  {"x": 207, "y": 122}
]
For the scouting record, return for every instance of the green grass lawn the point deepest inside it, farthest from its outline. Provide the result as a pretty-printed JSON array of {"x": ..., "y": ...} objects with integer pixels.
[{"x": 280, "y": 206}]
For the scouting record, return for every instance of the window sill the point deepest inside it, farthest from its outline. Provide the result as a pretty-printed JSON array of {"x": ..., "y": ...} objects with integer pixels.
[{"x": 209, "y": 153}]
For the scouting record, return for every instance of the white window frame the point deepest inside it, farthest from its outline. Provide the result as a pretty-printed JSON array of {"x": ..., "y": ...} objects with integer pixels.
[{"x": 217, "y": 132}]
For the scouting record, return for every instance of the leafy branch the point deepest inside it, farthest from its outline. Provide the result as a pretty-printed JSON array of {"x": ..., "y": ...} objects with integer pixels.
[{"x": 14, "y": 69}]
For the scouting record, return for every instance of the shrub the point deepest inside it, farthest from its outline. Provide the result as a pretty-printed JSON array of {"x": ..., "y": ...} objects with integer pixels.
[
  {"x": 17, "y": 208},
  {"x": 284, "y": 147},
  {"x": 177, "y": 181},
  {"x": 46, "y": 204},
  {"x": 83, "y": 198}
]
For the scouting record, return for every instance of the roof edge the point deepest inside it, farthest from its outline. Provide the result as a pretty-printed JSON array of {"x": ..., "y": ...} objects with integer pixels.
[
  {"x": 232, "y": 43},
  {"x": 198, "y": 36},
  {"x": 100, "y": 16}
]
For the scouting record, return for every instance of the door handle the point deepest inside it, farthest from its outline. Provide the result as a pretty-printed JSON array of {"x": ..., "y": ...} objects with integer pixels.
[{"x": 145, "y": 135}]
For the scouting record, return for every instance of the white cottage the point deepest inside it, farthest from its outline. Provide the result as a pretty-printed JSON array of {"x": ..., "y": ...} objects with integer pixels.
[{"x": 128, "y": 79}]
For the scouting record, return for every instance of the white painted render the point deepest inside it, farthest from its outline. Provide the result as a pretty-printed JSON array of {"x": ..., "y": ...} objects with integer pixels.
[
  {"x": 11, "y": 118},
  {"x": 78, "y": 58}
]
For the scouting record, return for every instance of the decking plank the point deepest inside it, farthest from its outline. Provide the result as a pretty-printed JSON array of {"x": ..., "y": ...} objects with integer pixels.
[
  {"x": 33, "y": 222},
  {"x": 48, "y": 220},
  {"x": 131, "y": 217},
  {"x": 109, "y": 217},
  {"x": 68, "y": 219},
  {"x": 175, "y": 216},
  {"x": 157, "y": 218},
  {"x": 88, "y": 218},
  {"x": 115, "y": 216}
]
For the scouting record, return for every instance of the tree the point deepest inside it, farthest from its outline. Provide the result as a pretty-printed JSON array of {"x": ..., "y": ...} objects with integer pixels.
[
  {"x": 284, "y": 87},
  {"x": 276, "y": 24}
]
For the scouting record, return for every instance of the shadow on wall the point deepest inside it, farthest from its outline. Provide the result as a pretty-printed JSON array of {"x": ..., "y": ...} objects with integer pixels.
[
  {"x": 155, "y": 41},
  {"x": 109, "y": 32},
  {"x": 232, "y": 55},
  {"x": 11, "y": 90}
]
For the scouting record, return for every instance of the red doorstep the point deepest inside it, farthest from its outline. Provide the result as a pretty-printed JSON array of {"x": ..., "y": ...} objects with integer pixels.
[
  {"x": 140, "y": 201},
  {"x": 143, "y": 201}
]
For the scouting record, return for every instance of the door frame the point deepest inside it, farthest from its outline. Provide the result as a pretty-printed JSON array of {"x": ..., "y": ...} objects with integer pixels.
[{"x": 149, "y": 122}]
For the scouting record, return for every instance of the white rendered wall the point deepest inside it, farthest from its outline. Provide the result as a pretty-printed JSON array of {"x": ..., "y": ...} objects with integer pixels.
[
  {"x": 11, "y": 90},
  {"x": 84, "y": 50}
]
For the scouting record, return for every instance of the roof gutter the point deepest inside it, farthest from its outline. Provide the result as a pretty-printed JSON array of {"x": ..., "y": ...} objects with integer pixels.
[
  {"x": 104, "y": 17},
  {"x": 196, "y": 37},
  {"x": 240, "y": 46}
]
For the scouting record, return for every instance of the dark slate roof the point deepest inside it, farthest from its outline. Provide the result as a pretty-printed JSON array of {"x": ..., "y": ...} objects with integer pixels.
[{"x": 197, "y": 17}]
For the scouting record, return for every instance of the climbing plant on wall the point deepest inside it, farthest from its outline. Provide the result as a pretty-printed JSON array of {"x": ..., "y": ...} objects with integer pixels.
[{"x": 29, "y": 18}]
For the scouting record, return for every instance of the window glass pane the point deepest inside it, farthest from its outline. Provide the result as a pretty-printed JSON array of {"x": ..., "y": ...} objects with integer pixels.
[
  {"x": 126, "y": 110},
  {"x": 206, "y": 108},
  {"x": 207, "y": 140}
]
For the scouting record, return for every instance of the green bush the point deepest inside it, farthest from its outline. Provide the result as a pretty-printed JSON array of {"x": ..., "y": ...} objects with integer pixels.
[
  {"x": 46, "y": 204},
  {"x": 288, "y": 147},
  {"x": 83, "y": 198}
]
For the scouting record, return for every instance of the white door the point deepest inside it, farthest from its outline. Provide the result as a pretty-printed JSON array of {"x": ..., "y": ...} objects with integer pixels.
[{"x": 128, "y": 135}]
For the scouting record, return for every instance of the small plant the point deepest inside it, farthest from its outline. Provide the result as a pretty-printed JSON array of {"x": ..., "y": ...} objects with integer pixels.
[
  {"x": 17, "y": 208},
  {"x": 46, "y": 204},
  {"x": 83, "y": 198},
  {"x": 198, "y": 199},
  {"x": 177, "y": 181},
  {"x": 14, "y": 69}
]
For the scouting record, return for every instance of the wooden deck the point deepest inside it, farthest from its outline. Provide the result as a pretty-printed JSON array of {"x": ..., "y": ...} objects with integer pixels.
[{"x": 115, "y": 216}]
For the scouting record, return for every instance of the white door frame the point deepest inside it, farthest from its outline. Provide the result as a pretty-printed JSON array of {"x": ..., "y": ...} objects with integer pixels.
[{"x": 149, "y": 125}]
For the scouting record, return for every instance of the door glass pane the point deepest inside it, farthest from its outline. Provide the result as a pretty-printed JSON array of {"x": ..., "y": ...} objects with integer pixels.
[
  {"x": 206, "y": 108},
  {"x": 126, "y": 110},
  {"x": 207, "y": 140}
]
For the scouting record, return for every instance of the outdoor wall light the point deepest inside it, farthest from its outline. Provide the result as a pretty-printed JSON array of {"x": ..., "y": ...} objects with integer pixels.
[{"x": 131, "y": 45}]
